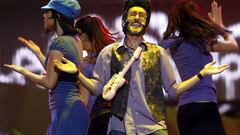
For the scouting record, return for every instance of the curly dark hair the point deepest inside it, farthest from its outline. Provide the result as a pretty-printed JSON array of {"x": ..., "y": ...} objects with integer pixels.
[
  {"x": 145, "y": 4},
  {"x": 186, "y": 20}
]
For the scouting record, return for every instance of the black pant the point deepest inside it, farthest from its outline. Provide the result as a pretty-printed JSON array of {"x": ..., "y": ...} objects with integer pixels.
[
  {"x": 99, "y": 125},
  {"x": 200, "y": 119},
  {"x": 158, "y": 132}
]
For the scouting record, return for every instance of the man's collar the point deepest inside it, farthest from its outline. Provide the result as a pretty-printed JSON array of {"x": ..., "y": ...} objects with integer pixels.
[{"x": 122, "y": 46}]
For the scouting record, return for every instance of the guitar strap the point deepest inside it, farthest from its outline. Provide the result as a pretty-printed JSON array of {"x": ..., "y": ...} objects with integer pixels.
[{"x": 119, "y": 103}]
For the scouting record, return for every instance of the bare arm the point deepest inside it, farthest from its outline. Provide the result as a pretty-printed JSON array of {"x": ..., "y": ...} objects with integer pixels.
[
  {"x": 84, "y": 95},
  {"x": 49, "y": 80},
  {"x": 208, "y": 70},
  {"x": 169, "y": 80},
  {"x": 34, "y": 48},
  {"x": 227, "y": 45}
]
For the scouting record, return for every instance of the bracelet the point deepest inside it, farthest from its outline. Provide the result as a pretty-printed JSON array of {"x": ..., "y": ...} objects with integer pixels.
[
  {"x": 199, "y": 75},
  {"x": 77, "y": 72}
]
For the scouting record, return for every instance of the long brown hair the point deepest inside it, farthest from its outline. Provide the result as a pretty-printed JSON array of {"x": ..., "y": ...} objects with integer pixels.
[
  {"x": 98, "y": 34},
  {"x": 186, "y": 20}
]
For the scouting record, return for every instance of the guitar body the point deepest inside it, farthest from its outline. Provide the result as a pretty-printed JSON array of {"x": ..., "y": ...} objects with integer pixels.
[
  {"x": 110, "y": 89},
  {"x": 117, "y": 80}
]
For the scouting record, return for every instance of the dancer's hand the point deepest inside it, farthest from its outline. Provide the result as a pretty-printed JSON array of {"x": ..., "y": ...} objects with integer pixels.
[
  {"x": 216, "y": 13},
  {"x": 30, "y": 44},
  {"x": 16, "y": 68},
  {"x": 66, "y": 66},
  {"x": 211, "y": 69},
  {"x": 34, "y": 48}
]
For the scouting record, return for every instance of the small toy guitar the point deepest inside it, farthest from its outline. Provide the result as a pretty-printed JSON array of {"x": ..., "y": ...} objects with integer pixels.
[{"x": 117, "y": 80}]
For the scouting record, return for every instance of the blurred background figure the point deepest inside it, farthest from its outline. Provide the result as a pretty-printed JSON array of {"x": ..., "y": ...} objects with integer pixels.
[{"x": 94, "y": 36}]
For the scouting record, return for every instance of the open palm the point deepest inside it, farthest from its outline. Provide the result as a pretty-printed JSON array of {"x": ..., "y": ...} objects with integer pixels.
[
  {"x": 30, "y": 44},
  {"x": 216, "y": 13},
  {"x": 211, "y": 69},
  {"x": 66, "y": 66},
  {"x": 16, "y": 68}
]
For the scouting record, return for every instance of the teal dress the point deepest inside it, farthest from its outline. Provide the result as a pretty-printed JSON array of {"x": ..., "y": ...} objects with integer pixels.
[{"x": 68, "y": 114}]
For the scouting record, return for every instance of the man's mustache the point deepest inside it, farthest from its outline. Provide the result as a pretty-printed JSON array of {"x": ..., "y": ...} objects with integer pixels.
[{"x": 140, "y": 22}]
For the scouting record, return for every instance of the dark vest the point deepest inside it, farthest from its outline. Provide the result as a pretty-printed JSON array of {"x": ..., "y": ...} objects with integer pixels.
[{"x": 153, "y": 85}]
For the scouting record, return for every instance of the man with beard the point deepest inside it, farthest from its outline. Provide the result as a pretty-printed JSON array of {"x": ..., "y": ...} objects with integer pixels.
[{"x": 138, "y": 106}]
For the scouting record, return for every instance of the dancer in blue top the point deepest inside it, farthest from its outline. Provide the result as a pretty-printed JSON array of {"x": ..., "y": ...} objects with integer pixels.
[
  {"x": 190, "y": 38},
  {"x": 94, "y": 36},
  {"x": 68, "y": 114}
]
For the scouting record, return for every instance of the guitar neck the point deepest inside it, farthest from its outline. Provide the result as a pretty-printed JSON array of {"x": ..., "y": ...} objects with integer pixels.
[{"x": 135, "y": 56}]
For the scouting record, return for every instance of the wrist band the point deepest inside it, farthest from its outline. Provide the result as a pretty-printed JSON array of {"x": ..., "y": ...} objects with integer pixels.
[
  {"x": 199, "y": 75},
  {"x": 77, "y": 72}
]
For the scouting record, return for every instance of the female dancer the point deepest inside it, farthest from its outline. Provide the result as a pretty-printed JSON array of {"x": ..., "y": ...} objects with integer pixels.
[
  {"x": 94, "y": 37},
  {"x": 191, "y": 37},
  {"x": 68, "y": 114}
]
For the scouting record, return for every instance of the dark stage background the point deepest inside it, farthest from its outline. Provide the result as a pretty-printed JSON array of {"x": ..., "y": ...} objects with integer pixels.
[{"x": 23, "y": 105}]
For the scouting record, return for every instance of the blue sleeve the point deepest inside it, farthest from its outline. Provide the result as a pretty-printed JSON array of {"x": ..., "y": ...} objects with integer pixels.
[
  {"x": 58, "y": 44},
  {"x": 66, "y": 45},
  {"x": 170, "y": 43}
]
